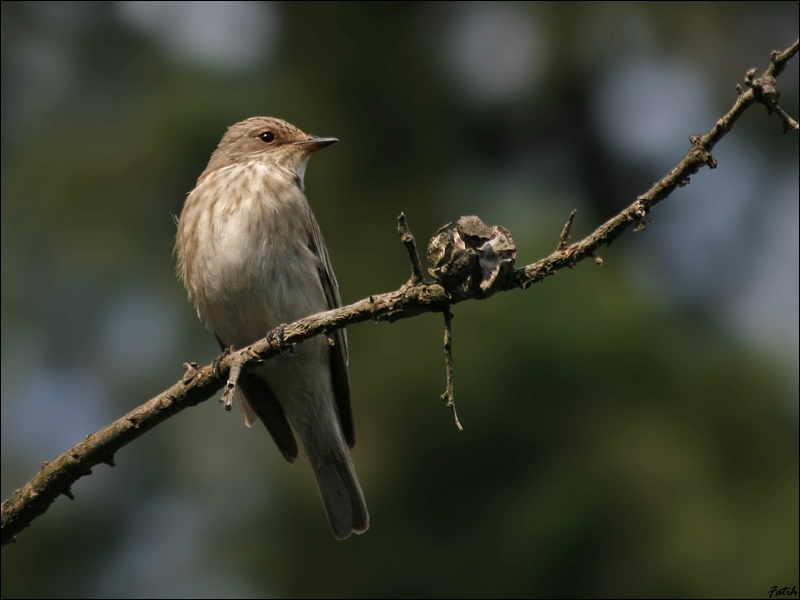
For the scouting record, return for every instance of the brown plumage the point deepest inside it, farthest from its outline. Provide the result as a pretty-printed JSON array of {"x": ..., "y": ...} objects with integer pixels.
[{"x": 252, "y": 257}]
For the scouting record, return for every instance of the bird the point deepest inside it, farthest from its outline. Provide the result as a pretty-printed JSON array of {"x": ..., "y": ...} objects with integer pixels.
[{"x": 252, "y": 258}]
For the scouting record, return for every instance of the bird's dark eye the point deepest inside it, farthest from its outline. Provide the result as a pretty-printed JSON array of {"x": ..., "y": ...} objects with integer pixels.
[{"x": 267, "y": 137}]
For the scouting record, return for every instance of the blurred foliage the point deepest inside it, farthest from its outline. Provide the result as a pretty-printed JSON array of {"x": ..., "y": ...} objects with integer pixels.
[{"x": 618, "y": 441}]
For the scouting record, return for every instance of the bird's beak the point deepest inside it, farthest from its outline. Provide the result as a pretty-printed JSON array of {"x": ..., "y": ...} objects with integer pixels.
[{"x": 316, "y": 143}]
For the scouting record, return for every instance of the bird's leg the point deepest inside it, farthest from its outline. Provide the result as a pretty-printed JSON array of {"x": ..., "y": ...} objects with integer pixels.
[
  {"x": 216, "y": 362},
  {"x": 233, "y": 375}
]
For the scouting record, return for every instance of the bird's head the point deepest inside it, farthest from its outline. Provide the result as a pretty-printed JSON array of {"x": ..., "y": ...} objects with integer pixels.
[{"x": 268, "y": 140}]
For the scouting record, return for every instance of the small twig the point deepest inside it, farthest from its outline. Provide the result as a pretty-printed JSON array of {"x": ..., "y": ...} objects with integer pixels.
[
  {"x": 788, "y": 122},
  {"x": 448, "y": 361},
  {"x": 766, "y": 91},
  {"x": 564, "y": 238},
  {"x": 411, "y": 246}
]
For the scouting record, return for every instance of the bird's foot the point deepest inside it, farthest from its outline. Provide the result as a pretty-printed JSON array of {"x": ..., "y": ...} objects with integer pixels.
[
  {"x": 280, "y": 342},
  {"x": 218, "y": 360},
  {"x": 237, "y": 364}
]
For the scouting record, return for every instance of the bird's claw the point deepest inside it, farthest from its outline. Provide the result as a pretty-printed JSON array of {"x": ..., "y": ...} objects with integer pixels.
[
  {"x": 218, "y": 360},
  {"x": 280, "y": 343}
]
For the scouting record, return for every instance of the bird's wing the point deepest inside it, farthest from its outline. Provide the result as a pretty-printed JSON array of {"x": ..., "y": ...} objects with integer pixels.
[
  {"x": 262, "y": 404},
  {"x": 339, "y": 358}
]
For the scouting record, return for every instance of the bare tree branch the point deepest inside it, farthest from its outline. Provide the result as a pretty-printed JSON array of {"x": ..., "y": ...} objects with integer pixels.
[
  {"x": 414, "y": 298},
  {"x": 698, "y": 156}
]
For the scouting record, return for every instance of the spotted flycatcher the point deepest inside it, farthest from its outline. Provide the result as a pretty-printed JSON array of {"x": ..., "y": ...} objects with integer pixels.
[{"x": 252, "y": 258}]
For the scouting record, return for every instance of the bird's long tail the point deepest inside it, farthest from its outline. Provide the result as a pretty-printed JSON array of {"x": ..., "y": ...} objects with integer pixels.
[{"x": 341, "y": 493}]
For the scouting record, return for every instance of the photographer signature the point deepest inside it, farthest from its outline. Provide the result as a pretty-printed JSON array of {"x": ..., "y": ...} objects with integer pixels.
[{"x": 774, "y": 591}]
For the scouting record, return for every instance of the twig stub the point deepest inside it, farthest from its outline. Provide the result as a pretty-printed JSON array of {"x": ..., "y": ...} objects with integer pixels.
[
  {"x": 411, "y": 247},
  {"x": 564, "y": 238},
  {"x": 448, "y": 396}
]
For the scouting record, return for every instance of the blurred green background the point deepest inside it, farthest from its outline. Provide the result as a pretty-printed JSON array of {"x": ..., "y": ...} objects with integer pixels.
[{"x": 629, "y": 430}]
